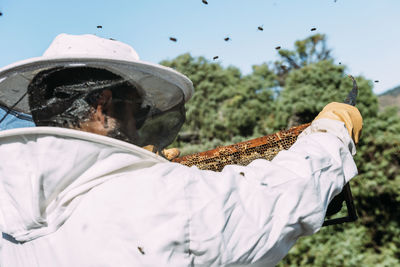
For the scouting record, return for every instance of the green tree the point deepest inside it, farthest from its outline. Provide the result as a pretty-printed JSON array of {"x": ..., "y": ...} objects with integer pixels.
[
  {"x": 310, "y": 50},
  {"x": 308, "y": 89},
  {"x": 225, "y": 103},
  {"x": 378, "y": 185}
]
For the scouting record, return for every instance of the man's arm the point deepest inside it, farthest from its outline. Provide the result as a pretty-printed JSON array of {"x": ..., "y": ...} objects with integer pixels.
[{"x": 255, "y": 214}]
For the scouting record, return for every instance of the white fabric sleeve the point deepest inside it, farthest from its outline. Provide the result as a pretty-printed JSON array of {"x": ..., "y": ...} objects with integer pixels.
[
  {"x": 334, "y": 127},
  {"x": 255, "y": 214}
]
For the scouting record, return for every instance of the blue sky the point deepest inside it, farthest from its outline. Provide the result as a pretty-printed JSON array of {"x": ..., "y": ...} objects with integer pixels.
[{"x": 364, "y": 35}]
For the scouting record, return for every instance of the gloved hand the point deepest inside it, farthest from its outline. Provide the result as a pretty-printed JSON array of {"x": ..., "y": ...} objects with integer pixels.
[
  {"x": 169, "y": 153},
  {"x": 348, "y": 114}
]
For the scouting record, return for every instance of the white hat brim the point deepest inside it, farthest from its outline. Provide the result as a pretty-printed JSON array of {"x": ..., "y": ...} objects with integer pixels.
[{"x": 153, "y": 78}]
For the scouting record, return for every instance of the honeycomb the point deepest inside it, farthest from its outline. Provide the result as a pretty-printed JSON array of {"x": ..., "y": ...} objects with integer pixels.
[{"x": 266, "y": 147}]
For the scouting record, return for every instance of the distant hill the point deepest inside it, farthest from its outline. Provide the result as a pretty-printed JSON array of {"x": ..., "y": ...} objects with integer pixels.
[{"x": 390, "y": 98}]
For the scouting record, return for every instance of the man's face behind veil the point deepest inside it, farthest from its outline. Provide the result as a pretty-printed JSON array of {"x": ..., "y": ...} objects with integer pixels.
[
  {"x": 88, "y": 99},
  {"x": 124, "y": 106}
]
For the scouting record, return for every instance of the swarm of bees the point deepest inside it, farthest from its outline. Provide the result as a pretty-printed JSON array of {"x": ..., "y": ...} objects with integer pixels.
[{"x": 227, "y": 38}]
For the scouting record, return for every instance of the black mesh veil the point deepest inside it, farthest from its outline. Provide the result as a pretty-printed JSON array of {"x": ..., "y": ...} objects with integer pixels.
[{"x": 140, "y": 109}]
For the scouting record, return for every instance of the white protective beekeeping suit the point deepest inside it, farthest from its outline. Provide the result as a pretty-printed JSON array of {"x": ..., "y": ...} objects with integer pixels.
[
  {"x": 102, "y": 202},
  {"x": 72, "y": 198}
]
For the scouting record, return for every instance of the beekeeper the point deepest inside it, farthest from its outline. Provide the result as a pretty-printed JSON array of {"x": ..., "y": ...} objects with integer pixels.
[{"x": 78, "y": 189}]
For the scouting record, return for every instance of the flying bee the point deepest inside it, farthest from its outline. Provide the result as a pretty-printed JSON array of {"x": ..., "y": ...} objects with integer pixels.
[
  {"x": 204, "y": 2},
  {"x": 141, "y": 250},
  {"x": 227, "y": 39},
  {"x": 173, "y": 39},
  {"x": 260, "y": 28},
  {"x": 1, "y": 14},
  {"x": 99, "y": 27},
  {"x": 216, "y": 57},
  {"x": 278, "y": 47},
  {"x": 376, "y": 81},
  {"x": 313, "y": 29},
  {"x": 340, "y": 63}
]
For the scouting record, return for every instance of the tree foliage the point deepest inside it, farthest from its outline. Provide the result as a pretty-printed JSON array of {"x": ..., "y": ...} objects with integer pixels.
[
  {"x": 229, "y": 107},
  {"x": 309, "y": 89},
  {"x": 310, "y": 50},
  {"x": 225, "y": 103}
]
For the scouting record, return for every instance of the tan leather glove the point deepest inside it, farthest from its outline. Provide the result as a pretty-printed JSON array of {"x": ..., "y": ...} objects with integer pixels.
[
  {"x": 169, "y": 153},
  {"x": 348, "y": 114}
]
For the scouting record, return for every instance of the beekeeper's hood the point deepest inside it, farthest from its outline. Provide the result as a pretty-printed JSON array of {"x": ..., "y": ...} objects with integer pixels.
[{"x": 162, "y": 91}]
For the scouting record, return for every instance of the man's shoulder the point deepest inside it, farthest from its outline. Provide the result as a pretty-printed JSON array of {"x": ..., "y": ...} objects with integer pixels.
[{"x": 32, "y": 133}]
